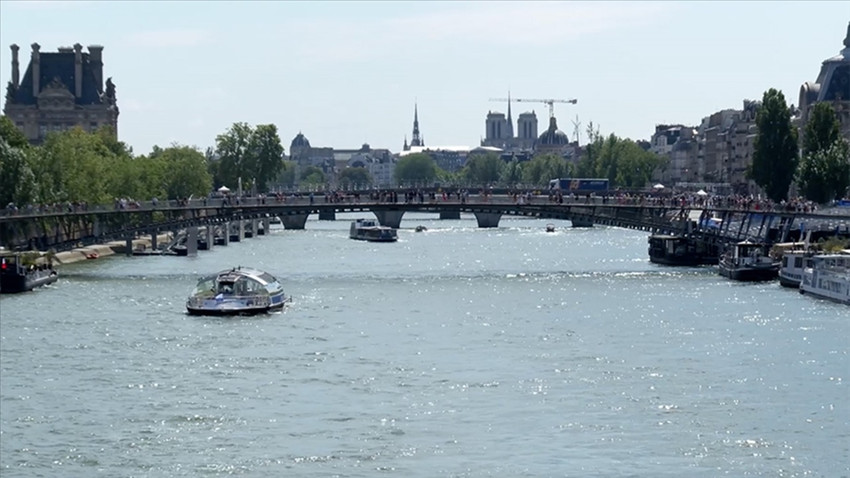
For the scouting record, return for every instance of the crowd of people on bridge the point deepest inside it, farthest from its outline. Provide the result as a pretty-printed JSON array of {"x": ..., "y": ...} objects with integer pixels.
[{"x": 683, "y": 199}]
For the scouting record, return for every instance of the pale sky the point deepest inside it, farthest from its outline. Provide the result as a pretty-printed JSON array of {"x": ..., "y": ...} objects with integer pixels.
[{"x": 345, "y": 73}]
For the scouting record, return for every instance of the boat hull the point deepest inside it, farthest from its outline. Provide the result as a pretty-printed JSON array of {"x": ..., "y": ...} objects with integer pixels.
[
  {"x": 221, "y": 307},
  {"x": 749, "y": 274},
  {"x": 233, "y": 311},
  {"x": 16, "y": 283}
]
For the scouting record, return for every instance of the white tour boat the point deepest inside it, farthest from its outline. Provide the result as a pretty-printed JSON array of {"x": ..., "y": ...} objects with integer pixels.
[
  {"x": 370, "y": 230},
  {"x": 828, "y": 277},
  {"x": 237, "y": 291}
]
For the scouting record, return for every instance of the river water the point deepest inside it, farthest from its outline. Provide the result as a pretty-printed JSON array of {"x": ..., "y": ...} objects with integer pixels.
[{"x": 457, "y": 351}]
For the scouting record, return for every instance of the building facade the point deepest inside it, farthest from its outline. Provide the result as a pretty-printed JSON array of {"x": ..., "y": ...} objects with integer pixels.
[
  {"x": 379, "y": 162},
  {"x": 60, "y": 90},
  {"x": 833, "y": 86}
]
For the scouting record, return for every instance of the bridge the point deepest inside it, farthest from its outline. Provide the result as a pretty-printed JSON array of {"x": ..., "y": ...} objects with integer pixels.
[{"x": 60, "y": 228}]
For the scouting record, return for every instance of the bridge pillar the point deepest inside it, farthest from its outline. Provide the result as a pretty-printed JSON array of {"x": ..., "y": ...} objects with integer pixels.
[
  {"x": 95, "y": 228},
  {"x": 225, "y": 232},
  {"x": 208, "y": 236},
  {"x": 450, "y": 215},
  {"x": 128, "y": 245},
  {"x": 153, "y": 240},
  {"x": 488, "y": 219},
  {"x": 389, "y": 218},
  {"x": 329, "y": 215},
  {"x": 236, "y": 231},
  {"x": 581, "y": 222},
  {"x": 192, "y": 241},
  {"x": 294, "y": 221}
]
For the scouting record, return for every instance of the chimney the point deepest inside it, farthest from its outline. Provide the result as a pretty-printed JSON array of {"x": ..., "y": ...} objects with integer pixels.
[
  {"x": 35, "y": 62},
  {"x": 96, "y": 59},
  {"x": 16, "y": 72},
  {"x": 78, "y": 70}
]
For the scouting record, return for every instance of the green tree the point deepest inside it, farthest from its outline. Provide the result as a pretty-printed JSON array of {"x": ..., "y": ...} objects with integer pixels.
[
  {"x": 17, "y": 181},
  {"x": 74, "y": 165},
  {"x": 356, "y": 177},
  {"x": 187, "y": 174},
  {"x": 543, "y": 168},
  {"x": 635, "y": 165},
  {"x": 587, "y": 164},
  {"x": 267, "y": 153},
  {"x": 312, "y": 176},
  {"x": 234, "y": 155},
  {"x": 13, "y": 136},
  {"x": 483, "y": 169},
  {"x": 824, "y": 174},
  {"x": 775, "y": 154},
  {"x": 512, "y": 173},
  {"x": 821, "y": 130},
  {"x": 416, "y": 168}
]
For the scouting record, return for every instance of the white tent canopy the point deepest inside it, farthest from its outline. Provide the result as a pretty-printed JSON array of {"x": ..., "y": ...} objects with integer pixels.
[
  {"x": 224, "y": 189},
  {"x": 658, "y": 186},
  {"x": 702, "y": 193}
]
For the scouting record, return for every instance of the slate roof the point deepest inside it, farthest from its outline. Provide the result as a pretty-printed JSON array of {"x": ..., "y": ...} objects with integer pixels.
[{"x": 59, "y": 65}]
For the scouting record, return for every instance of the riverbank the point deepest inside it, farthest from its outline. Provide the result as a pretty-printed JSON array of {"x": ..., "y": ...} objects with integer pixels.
[{"x": 110, "y": 248}]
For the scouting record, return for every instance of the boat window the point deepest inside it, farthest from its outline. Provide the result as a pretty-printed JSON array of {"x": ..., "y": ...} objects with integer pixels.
[
  {"x": 225, "y": 287},
  {"x": 798, "y": 262}
]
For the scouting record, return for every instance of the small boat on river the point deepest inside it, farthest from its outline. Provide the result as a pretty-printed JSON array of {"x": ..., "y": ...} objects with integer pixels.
[
  {"x": 237, "y": 291},
  {"x": 21, "y": 273},
  {"x": 370, "y": 230},
  {"x": 748, "y": 261},
  {"x": 677, "y": 250}
]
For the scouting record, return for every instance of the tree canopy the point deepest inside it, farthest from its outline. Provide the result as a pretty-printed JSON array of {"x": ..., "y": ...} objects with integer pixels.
[
  {"x": 355, "y": 177},
  {"x": 416, "y": 169},
  {"x": 253, "y": 154},
  {"x": 483, "y": 169},
  {"x": 775, "y": 154}
]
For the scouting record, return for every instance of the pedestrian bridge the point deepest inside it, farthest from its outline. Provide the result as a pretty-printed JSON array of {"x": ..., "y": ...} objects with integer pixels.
[{"x": 66, "y": 227}]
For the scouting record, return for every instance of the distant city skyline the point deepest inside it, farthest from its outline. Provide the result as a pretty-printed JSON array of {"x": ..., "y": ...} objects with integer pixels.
[{"x": 349, "y": 73}]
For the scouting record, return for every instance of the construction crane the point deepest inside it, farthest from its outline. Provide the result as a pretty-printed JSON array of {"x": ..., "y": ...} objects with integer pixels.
[{"x": 550, "y": 102}]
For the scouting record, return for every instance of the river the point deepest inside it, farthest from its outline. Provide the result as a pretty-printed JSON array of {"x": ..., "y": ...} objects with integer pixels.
[{"x": 456, "y": 351}]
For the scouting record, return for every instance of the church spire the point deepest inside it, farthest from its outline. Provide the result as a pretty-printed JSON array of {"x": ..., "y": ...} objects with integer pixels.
[
  {"x": 416, "y": 140},
  {"x": 510, "y": 120}
]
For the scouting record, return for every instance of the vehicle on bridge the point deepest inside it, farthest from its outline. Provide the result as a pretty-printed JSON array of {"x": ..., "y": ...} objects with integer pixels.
[
  {"x": 370, "y": 230},
  {"x": 578, "y": 185},
  {"x": 237, "y": 291},
  {"x": 20, "y": 274}
]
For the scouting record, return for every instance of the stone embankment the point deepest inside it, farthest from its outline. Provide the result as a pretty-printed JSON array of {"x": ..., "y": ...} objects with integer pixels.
[{"x": 108, "y": 249}]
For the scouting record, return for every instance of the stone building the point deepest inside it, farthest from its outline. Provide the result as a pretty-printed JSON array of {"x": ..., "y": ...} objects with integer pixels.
[
  {"x": 833, "y": 86},
  {"x": 60, "y": 90},
  {"x": 678, "y": 143},
  {"x": 499, "y": 131},
  {"x": 379, "y": 162}
]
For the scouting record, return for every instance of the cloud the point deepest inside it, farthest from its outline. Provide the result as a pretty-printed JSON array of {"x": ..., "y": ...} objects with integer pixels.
[
  {"x": 463, "y": 25},
  {"x": 170, "y": 38}
]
